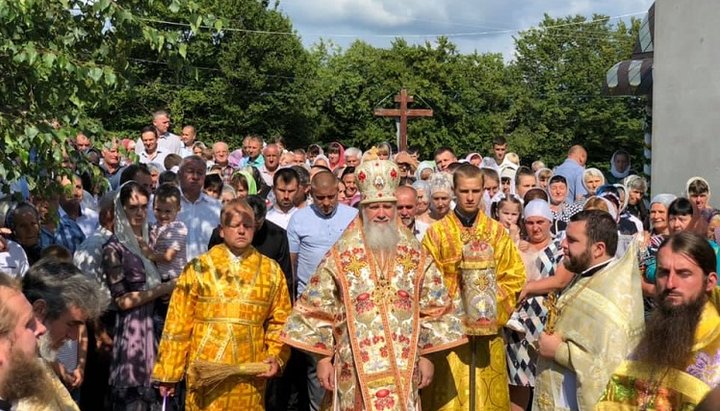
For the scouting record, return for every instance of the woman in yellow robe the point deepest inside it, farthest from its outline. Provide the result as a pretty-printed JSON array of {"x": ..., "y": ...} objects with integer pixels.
[{"x": 227, "y": 308}]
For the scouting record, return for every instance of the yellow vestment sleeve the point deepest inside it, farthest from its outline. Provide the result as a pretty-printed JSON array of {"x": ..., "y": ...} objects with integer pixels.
[{"x": 175, "y": 343}]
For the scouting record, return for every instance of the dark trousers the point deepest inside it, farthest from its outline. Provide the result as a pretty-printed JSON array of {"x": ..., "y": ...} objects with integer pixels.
[{"x": 289, "y": 391}]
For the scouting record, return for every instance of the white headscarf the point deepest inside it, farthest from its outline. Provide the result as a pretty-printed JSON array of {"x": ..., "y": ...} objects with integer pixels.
[
  {"x": 538, "y": 208},
  {"x": 594, "y": 172},
  {"x": 664, "y": 199},
  {"x": 617, "y": 174},
  {"x": 692, "y": 180},
  {"x": 126, "y": 237},
  {"x": 508, "y": 171},
  {"x": 441, "y": 182}
]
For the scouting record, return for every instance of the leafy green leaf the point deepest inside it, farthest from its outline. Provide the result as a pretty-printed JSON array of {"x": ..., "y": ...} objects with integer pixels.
[{"x": 95, "y": 73}]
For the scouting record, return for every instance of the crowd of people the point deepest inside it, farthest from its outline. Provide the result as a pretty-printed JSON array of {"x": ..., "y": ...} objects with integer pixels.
[{"x": 171, "y": 274}]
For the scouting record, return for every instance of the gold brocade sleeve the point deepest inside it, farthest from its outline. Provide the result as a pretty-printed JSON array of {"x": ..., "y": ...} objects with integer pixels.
[
  {"x": 278, "y": 314},
  {"x": 317, "y": 312},
  {"x": 441, "y": 326},
  {"x": 510, "y": 274},
  {"x": 175, "y": 343},
  {"x": 434, "y": 238}
]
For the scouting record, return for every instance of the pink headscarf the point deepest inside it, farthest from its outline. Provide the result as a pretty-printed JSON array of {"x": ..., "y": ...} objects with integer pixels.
[{"x": 341, "y": 156}]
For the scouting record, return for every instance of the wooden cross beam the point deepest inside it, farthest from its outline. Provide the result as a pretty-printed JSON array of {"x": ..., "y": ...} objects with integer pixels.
[{"x": 403, "y": 112}]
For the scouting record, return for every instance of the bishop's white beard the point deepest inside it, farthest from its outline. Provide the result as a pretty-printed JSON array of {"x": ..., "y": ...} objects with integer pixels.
[
  {"x": 47, "y": 353},
  {"x": 381, "y": 237}
]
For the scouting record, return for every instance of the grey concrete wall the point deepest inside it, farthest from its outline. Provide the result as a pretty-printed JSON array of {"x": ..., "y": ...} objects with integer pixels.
[{"x": 686, "y": 95}]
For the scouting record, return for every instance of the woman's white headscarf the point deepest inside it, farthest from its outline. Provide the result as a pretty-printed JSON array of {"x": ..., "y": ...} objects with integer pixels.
[
  {"x": 126, "y": 237},
  {"x": 694, "y": 179},
  {"x": 595, "y": 173},
  {"x": 664, "y": 199},
  {"x": 617, "y": 174}
]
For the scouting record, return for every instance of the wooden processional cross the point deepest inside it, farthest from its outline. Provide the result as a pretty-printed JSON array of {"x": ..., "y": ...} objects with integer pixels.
[{"x": 403, "y": 113}]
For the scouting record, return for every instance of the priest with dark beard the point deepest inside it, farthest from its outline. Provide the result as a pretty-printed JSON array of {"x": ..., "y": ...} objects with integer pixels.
[{"x": 677, "y": 361}]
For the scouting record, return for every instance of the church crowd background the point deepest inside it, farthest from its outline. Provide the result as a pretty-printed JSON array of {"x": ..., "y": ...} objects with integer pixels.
[{"x": 140, "y": 211}]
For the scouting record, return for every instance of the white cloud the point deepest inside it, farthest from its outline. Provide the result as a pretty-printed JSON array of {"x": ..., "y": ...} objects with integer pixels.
[{"x": 469, "y": 23}]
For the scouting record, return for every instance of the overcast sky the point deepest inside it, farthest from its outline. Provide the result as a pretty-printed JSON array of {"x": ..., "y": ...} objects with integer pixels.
[{"x": 482, "y": 25}]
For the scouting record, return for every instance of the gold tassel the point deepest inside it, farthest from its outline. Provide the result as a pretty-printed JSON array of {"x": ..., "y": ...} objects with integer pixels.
[
  {"x": 551, "y": 304},
  {"x": 210, "y": 375}
]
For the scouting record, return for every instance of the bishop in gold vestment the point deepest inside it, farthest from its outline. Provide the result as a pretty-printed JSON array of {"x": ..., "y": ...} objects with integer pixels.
[
  {"x": 445, "y": 241},
  {"x": 375, "y": 321},
  {"x": 225, "y": 310}
]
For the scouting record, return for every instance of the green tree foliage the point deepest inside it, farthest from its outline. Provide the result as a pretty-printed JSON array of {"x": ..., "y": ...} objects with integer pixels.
[
  {"x": 544, "y": 101},
  {"x": 236, "y": 81},
  {"x": 466, "y": 93},
  {"x": 59, "y": 61},
  {"x": 559, "y": 70},
  {"x": 233, "y": 67}
]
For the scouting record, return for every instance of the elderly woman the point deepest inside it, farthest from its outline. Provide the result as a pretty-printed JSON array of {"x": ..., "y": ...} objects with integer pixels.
[
  {"x": 424, "y": 170},
  {"x": 659, "y": 230},
  {"x": 544, "y": 274},
  {"x": 636, "y": 187},
  {"x": 592, "y": 179},
  {"x": 134, "y": 284},
  {"x": 422, "y": 211},
  {"x": 24, "y": 223},
  {"x": 659, "y": 214},
  {"x": 441, "y": 195}
]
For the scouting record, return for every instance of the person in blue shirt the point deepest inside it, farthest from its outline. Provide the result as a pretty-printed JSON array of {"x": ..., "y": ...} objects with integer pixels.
[
  {"x": 572, "y": 169},
  {"x": 312, "y": 231}
]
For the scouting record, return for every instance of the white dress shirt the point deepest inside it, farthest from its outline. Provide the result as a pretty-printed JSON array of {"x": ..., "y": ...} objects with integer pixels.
[{"x": 200, "y": 218}]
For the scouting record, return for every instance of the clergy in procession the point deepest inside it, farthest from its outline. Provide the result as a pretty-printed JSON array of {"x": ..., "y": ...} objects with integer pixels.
[
  {"x": 677, "y": 361},
  {"x": 224, "y": 322},
  {"x": 466, "y": 241},
  {"x": 375, "y": 307},
  {"x": 594, "y": 323}
]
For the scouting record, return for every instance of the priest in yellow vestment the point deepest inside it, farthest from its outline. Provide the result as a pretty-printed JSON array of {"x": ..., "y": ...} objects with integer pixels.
[
  {"x": 677, "y": 361},
  {"x": 228, "y": 309},
  {"x": 375, "y": 307},
  {"x": 447, "y": 240},
  {"x": 599, "y": 317}
]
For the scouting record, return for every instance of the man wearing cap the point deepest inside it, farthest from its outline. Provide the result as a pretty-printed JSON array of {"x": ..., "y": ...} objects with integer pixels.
[
  {"x": 466, "y": 238},
  {"x": 375, "y": 306}
]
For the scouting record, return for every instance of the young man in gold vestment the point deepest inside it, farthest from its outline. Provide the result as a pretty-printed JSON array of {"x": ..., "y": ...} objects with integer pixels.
[
  {"x": 225, "y": 317},
  {"x": 447, "y": 241}
]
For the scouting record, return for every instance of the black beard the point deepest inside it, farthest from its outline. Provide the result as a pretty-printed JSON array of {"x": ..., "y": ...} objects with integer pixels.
[
  {"x": 670, "y": 333},
  {"x": 579, "y": 263}
]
